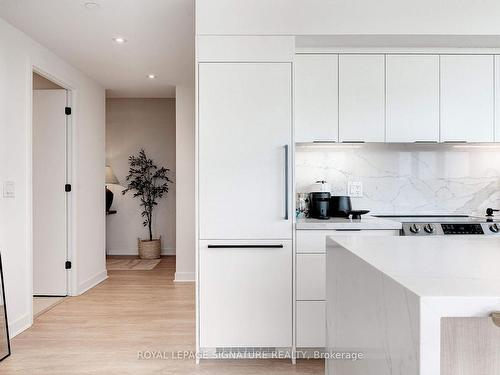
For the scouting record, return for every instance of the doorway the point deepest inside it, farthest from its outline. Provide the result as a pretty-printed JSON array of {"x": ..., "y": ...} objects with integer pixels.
[
  {"x": 133, "y": 124},
  {"x": 50, "y": 139}
]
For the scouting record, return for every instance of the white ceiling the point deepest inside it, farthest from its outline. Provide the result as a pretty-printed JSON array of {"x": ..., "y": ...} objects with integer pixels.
[{"x": 159, "y": 33}]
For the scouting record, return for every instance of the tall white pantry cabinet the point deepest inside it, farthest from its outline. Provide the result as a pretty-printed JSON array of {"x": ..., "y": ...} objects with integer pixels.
[{"x": 244, "y": 202}]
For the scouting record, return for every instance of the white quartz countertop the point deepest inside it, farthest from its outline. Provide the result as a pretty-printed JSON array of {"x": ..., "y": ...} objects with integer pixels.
[
  {"x": 440, "y": 266},
  {"x": 336, "y": 223}
]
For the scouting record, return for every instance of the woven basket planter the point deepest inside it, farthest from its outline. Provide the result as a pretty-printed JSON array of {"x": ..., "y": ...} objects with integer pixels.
[{"x": 149, "y": 249}]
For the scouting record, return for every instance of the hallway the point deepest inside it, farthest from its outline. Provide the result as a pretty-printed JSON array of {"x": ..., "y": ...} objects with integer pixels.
[{"x": 104, "y": 330}]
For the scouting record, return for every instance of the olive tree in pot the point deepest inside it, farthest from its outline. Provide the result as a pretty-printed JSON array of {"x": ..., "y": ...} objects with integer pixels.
[{"x": 149, "y": 183}]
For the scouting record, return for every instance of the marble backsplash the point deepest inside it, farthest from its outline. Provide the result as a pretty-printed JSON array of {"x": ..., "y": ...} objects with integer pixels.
[{"x": 407, "y": 178}]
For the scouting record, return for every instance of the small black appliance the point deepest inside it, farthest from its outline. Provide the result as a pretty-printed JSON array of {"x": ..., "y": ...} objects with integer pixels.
[
  {"x": 340, "y": 206},
  {"x": 319, "y": 205}
]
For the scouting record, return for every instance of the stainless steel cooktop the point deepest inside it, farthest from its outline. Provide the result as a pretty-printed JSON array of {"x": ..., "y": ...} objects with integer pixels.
[{"x": 432, "y": 225}]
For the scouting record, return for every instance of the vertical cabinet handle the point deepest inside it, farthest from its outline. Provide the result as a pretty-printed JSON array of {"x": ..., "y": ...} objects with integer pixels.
[{"x": 286, "y": 183}]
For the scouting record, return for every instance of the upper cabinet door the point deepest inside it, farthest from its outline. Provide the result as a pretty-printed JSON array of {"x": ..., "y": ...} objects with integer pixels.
[
  {"x": 467, "y": 107},
  {"x": 316, "y": 98},
  {"x": 244, "y": 150},
  {"x": 361, "y": 98},
  {"x": 412, "y": 98}
]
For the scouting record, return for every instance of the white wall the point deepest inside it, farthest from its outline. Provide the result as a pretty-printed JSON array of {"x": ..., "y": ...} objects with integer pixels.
[
  {"x": 185, "y": 179},
  {"x": 132, "y": 124},
  {"x": 42, "y": 83},
  {"x": 296, "y": 17},
  {"x": 17, "y": 55}
]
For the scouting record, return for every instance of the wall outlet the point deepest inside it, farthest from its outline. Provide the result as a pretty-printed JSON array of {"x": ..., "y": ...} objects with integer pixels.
[
  {"x": 9, "y": 189},
  {"x": 355, "y": 189}
]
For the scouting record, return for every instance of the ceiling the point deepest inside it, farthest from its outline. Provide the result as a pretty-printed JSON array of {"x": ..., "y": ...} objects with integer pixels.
[{"x": 159, "y": 34}]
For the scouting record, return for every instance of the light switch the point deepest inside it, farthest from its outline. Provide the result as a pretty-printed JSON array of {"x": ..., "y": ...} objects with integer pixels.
[
  {"x": 9, "y": 189},
  {"x": 355, "y": 189}
]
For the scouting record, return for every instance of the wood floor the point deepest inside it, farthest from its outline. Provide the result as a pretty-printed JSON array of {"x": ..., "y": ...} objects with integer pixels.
[{"x": 104, "y": 331}]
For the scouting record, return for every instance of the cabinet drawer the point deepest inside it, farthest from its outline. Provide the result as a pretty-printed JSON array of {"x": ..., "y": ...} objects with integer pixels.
[
  {"x": 311, "y": 324},
  {"x": 245, "y": 293},
  {"x": 314, "y": 241},
  {"x": 311, "y": 277}
]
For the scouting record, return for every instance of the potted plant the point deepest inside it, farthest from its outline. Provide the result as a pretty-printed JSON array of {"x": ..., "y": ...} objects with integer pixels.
[{"x": 149, "y": 183}]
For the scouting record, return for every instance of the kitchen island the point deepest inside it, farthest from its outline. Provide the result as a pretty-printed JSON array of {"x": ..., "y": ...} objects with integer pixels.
[{"x": 386, "y": 297}]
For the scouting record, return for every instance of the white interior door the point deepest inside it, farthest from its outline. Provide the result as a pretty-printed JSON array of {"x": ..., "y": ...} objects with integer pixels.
[
  {"x": 49, "y": 197},
  {"x": 245, "y": 126}
]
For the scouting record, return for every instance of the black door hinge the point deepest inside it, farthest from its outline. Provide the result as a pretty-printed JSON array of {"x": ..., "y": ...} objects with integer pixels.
[
  {"x": 67, "y": 265},
  {"x": 67, "y": 111},
  {"x": 67, "y": 188}
]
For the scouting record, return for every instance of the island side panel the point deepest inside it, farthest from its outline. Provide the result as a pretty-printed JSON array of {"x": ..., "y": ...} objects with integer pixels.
[
  {"x": 371, "y": 313},
  {"x": 432, "y": 312},
  {"x": 470, "y": 346}
]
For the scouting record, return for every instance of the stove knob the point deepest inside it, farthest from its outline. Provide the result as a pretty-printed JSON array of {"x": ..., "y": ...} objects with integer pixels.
[
  {"x": 415, "y": 228},
  {"x": 494, "y": 228},
  {"x": 429, "y": 228}
]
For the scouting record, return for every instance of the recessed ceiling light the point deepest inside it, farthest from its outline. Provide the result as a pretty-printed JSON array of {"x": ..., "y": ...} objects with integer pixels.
[
  {"x": 91, "y": 5},
  {"x": 151, "y": 76},
  {"x": 119, "y": 40}
]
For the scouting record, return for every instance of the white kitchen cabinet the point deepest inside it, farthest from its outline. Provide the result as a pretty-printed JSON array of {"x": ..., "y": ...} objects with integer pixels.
[
  {"x": 311, "y": 282},
  {"x": 244, "y": 158},
  {"x": 311, "y": 324},
  {"x": 311, "y": 277},
  {"x": 467, "y": 98},
  {"x": 316, "y": 98},
  {"x": 361, "y": 98},
  {"x": 245, "y": 294},
  {"x": 412, "y": 98}
]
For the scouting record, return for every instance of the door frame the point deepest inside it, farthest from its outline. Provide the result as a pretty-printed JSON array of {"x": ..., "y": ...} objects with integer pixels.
[{"x": 71, "y": 280}]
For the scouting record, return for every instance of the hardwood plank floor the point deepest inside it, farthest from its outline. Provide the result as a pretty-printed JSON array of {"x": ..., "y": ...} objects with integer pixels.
[{"x": 104, "y": 330}]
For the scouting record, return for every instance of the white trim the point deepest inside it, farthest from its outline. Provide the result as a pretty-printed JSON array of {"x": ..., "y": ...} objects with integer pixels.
[
  {"x": 196, "y": 201},
  {"x": 396, "y": 50},
  {"x": 168, "y": 251},
  {"x": 29, "y": 209},
  {"x": 20, "y": 325},
  {"x": 92, "y": 282},
  {"x": 183, "y": 277}
]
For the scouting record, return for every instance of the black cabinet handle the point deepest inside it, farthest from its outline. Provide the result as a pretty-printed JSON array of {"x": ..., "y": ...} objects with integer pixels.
[{"x": 245, "y": 246}]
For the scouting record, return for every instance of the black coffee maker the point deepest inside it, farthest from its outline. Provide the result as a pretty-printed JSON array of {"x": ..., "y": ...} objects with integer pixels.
[{"x": 319, "y": 205}]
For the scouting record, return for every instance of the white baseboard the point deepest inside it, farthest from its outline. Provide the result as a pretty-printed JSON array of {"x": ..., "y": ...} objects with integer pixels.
[
  {"x": 164, "y": 251},
  {"x": 19, "y": 325},
  {"x": 184, "y": 277},
  {"x": 92, "y": 282}
]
